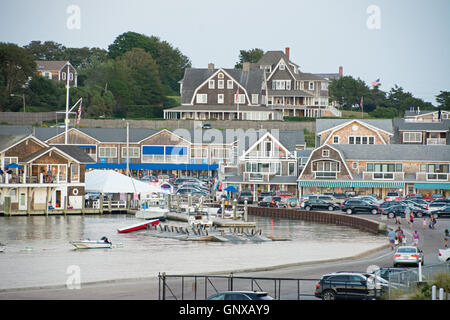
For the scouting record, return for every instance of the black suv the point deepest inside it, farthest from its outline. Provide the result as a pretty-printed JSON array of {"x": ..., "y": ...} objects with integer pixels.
[
  {"x": 346, "y": 286},
  {"x": 245, "y": 195},
  {"x": 442, "y": 212},
  {"x": 320, "y": 204},
  {"x": 353, "y": 206},
  {"x": 262, "y": 195}
]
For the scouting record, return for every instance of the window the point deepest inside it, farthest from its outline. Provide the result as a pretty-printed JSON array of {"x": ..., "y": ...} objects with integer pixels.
[
  {"x": 220, "y": 98},
  {"x": 282, "y": 66},
  {"x": 220, "y": 84},
  {"x": 412, "y": 137},
  {"x": 324, "y": 85},
  {"x": 63, "y": 75},
  {"x": 288, "y": 84},
  {"x": 134, "y": 152},
  {"x": 202, "y": 98},
  {"x": 311, "y": 85},
  {"x": 70, "y": 76},
  {"x": 278, "y": 84},
  {"x": 240, "y": 98},
  {"x": 361, "y": 140},
  {"x": 336, "y": 139},
  {"x": 291, "y": 169},
  {"x": 325, "y": 153},
  {"x": 254, "y": 99},
  {"x": 384, "y": 171},
  {"x": 211, "y": 84},
  {"x": 325, "y": 169},
  {"x": 107, "y": 152},
  {"x": 355, "y": 165},
  {"x": 229, "y": 84},
  {"x": 220, "y": 75},
  {"x": 74, "y": 173}
]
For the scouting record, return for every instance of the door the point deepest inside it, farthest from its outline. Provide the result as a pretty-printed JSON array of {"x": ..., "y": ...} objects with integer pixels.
[
  {"x": 58, "y": 198},
  {"x": 22, "y": 201},
  {"x": 357, "y": 287}
]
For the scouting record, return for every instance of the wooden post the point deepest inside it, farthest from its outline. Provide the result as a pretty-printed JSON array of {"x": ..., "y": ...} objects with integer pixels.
[
  {"x": 28, "y": 201},
  {"x": 245, "y": 210},
  {"x": 234, "y": 209},
  {"x": 83, "y": 205},
  {"x": 47, "y": 199},
  {"x": 101, "y": 203}
]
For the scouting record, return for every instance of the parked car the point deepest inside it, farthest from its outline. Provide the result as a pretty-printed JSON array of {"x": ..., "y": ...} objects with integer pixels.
[
  {"x": 149, "y": 179},
  {"x": 435, "y": 206},
  {"x": 368, "y": 199},
  {"x": 408, "y": 255},
  {"x": 245, "y": 195},
  {"x": 325, "y": 197},
  {"x": 354, "y": 206},
  {"x": 192, "y": 191},
  {"x": 417, "y": 202},
  {"x": 292, "y": 202},
  {"x": 392, "y": 211},
  {"x": 206, "y": 126},
  {"x": 240, "y": 295},
  {"x": 320, "y": 204},
  {"x": 438, "y": 196},
  {"x": 343, "y": 285},
  {"x": 265, "y": 194},
  {"x": 267, "y": 201},
  {"x": 305, "y": 197},
  {"x": 441, "y": 212},
  {"x": 340, "y": 196},
  {"x": 390, "y": 196},
  {"x": 444, "y": 255}
]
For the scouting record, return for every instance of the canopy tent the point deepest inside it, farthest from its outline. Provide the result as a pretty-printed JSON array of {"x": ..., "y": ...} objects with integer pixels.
[
  {"x": 231, "y": 189},
  {"x": 110, "y": 181},
  {"x": 13, "y": 165}
]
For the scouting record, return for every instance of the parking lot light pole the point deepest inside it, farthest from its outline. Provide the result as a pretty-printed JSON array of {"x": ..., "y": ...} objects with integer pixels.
[{"x": 23, "y": 99}]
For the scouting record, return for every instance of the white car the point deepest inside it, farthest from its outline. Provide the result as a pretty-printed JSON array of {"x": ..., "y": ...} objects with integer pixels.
[{"x": 444, "y": 255}]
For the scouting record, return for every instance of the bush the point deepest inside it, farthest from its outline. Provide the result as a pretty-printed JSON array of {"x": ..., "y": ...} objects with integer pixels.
[{"x": 289, "y": 118}]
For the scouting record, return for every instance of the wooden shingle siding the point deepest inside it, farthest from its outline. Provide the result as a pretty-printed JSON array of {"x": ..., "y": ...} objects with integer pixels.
[
  {"x": 74, "y": 137},
  {"x": 228, "y": 94},
  {"x": 24, "y": 149}
]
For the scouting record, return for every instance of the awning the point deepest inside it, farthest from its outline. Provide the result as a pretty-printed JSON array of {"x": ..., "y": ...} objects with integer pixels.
[
  {"x": 153, "y": 166},
  {"x": 351, "y": 184},
  {"x": 434, "y": 185}
]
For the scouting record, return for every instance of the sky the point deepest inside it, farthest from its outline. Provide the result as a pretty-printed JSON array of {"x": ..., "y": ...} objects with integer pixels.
[{"x": 403, "y": 42}]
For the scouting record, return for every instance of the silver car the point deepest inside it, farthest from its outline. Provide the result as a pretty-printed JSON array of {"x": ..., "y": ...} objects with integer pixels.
[{"x": 408, "y": 255}]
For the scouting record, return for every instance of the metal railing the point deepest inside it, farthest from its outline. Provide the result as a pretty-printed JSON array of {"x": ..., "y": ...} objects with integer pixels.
[{"x": 196, "y": 287}]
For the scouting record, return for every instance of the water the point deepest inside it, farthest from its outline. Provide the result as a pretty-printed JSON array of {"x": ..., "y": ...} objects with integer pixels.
[{"x": 38, "y": 250}]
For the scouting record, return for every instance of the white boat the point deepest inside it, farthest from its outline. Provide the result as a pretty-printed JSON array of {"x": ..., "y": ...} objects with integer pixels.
[
  {"x": 92, "y": 244},
  {"x": 152, "y": 213}
]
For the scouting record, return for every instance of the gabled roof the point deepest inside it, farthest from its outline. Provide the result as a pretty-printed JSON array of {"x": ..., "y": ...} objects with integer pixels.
[
  {"x": 403, "y": 125},
  {"x": 323, "y": 125},
  {"x": 251, "y": 80},
  {"x": 55, "y": 66},
  {"x": 70, "y": 151},
  {"x": 10, "y": 140}
]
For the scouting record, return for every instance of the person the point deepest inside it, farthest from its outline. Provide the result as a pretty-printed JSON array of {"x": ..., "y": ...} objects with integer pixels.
[
  {"x": 391, "y": 236},
  {"x": 446, "y": 236},
  {"x": 424, "y": 223},
  {"x": 415, "y": 237},
  {"x": 404, "y": 240},
  {"x": 398, "y": 215},
  {"x": 399, "y": 233},
  {"x": 432, "y": 222},
  {"x": 396, "y": 242},
  {"x": 411, "y": 219}
]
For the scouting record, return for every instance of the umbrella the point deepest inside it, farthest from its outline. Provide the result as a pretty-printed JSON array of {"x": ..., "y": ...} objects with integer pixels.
[
  {"x": 13, "y": 165},
  {"x": 231, "y": 189}
]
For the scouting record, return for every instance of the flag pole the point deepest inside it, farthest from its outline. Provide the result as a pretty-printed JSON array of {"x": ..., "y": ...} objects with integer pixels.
[{"x": 66, "y": 120}]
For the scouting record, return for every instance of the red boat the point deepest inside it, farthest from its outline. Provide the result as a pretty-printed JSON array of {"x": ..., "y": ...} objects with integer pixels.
[{"x": 139, "y": 226}]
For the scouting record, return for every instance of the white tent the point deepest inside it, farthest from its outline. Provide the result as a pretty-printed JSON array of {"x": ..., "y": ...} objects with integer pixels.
[{"x": 110, "y": 181}]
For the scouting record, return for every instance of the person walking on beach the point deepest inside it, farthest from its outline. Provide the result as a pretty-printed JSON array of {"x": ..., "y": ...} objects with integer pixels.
[
  {"x": 446, "y": 236},
  {"x": 392, "y": 236},
  {"x": 415, "y": 237}
]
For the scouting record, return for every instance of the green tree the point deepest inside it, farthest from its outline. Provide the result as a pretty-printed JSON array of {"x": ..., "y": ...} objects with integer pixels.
[
  {"x": 348, "y": 91},
  {"x": 48, "y": 50},
  {"x": 16, "y": 68},
  {"x": 252, "y": 55},
  {"x": 443, "y": 100}
]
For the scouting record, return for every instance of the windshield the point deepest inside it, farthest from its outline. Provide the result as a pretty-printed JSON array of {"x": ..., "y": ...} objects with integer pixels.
[{"x": 407, "y": 250}]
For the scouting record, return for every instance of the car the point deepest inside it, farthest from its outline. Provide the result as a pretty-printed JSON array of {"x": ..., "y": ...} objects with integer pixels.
[
  {"x": 406, "y": 255},
  {"x": 417, "y": 202},
  {"x": 149, "y": 179},
  {"x": 392, "y": 211},
  {"x": 320, "y": 204},
  {"x": 436, "y": 205},
  {"x": 267, "y": 201},
  {"x": 285, "y": 194},
  {"x": 192, "y": 191},
  {"x": 206, "y": 126},
  {"x": 245, "y": 195},
  {"x": 438, "y": 196},
  {"x": 353, "y": 206},
  {"x": 325, "y": 197},
  {"x": 343, "y": 285},
  {"x": 390, "y": 196},
  {"x": 265, "y": 194},
  {"x": 340, "y": 196},
  {"x": 444, "y": 255},
  {"x": 240, "y": 295},
  {"x": 441, "y": 212},
  {"x": 368, "y": 199},
  {"x": 292, "y": 202},
  {"x": 305, "y": 197}
]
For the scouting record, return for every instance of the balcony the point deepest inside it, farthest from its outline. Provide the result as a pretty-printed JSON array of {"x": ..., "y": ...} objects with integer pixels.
[
  {"x": 384, "y": 176},
  {"x": 436, "y": 141},
  {"x": 267, "y": 154},
  {"x": 40, "y": 179},
  {"x": 258, "y": 176},
  {"x": 431, "y": 176}
]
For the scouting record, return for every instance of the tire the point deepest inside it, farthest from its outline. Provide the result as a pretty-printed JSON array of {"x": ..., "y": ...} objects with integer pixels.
[
  {"x": 391, "y": 215},
  {"x": 374, "y": 211},
  {"x": 348, "y": 211},
  {"x": 330, "y": 208},
  {"x": 419, "y": 214},
  {"x": 307, "y": 208},
  {"x": 435, "y": 215},
  {"x": 329, "y": 295}
]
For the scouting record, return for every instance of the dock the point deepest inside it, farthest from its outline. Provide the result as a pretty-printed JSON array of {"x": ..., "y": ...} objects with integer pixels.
[{"x": 219, "y": 222}]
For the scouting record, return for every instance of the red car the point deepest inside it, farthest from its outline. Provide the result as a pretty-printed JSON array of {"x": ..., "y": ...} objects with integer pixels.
[{"x": 391, "y": 196}]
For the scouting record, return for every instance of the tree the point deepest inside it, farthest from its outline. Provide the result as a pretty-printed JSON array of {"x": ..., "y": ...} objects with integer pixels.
[
  {"x": 443, "y": 100},
  {"x": 348, "y": 91},
  {"x": 49, "y": 50},
  {"x": 252, "y": 55},
  {"x": 171, "y": 62},
  {"x": 16, "y": 68}
]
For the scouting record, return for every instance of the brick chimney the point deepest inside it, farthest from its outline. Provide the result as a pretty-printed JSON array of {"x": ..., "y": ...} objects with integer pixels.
[
  {"x": 341, "y": 71},
  {"x": 286, "y": 52},
  {"x": 246, "y": 66},
  {"x": 211, "y": 66}
]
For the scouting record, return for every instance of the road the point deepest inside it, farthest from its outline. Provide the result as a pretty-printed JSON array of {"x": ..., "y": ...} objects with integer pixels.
[{"x": 147, "y": 289}]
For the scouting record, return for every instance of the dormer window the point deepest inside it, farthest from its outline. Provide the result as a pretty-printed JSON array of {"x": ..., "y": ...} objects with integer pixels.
[
  {"x": 282, "y": 66},
  {"x": 325, "y": 153}
]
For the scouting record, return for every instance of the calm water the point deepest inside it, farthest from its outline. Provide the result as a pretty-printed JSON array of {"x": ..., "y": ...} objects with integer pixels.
[{"x": 38, "y": 251}]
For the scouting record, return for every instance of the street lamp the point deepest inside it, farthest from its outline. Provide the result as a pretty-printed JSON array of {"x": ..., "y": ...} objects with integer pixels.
[{"x": 23, "y": 98}]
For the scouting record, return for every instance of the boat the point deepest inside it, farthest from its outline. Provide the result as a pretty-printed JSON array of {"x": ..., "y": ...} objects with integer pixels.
[
  {"x": 103, "y": 243},
  {"x": 152, "y": 213},
  {"x": 138, "y": 226},
  {"x": 2, "y": 247}
]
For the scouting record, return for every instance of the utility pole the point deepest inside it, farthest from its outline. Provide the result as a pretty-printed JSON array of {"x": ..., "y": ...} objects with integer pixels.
[{"x": 66, "y": 121}]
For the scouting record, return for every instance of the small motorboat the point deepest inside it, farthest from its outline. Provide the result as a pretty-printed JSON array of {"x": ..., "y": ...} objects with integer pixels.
[
  {"x": 2, "y": 247},
  {"x": 103, "y": 243},
  {"x": 152, "y": 213},
  {"x": 139, "y": 226}
]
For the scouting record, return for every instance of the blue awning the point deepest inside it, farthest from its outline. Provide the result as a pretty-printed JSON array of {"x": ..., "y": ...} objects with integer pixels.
[
  {"x": 178, "y": 151},
  {"x": 153, "y": 150},
  {"x": 153, "y": 166},
  {"x": 86, "y": 146},
  {"x": 434, "y": 186},
  {"x": 351, "y": 184}
]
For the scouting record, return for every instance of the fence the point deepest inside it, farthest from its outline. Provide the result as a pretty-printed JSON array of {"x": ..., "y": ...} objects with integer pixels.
[{"x": 29, "y": 118}]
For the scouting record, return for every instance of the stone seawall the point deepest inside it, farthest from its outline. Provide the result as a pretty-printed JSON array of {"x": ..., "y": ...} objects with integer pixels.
[{"x": 321, "y": 217}]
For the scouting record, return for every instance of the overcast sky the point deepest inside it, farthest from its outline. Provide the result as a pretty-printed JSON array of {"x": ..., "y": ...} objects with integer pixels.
[{"x": 404, "y": 42}]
